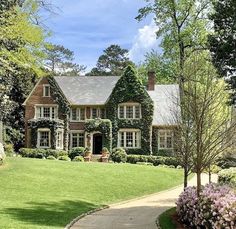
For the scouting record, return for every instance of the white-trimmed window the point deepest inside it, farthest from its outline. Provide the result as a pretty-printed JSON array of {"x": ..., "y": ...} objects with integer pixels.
[
  {"x": 165, "y": 139},
  {"x": 46, "y": 90},
  {"x": 77, "y": 139},
  {"x": 46, "y": 112},
  {"x": 129, "y": 111},
  {"x": 129, "y": 138},
  {"x": 77, "y": 114},
  {"x": 59, "y": 140},
  {"x": 95, "y": 112},
  {"x": 44, "y": 138}
]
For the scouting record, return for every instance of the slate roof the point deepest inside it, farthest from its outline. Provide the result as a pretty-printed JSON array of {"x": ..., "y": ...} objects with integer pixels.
[
  {"x": 87, "y": 90},
  {"x": 95, "y": 90},
  {"x": 165, "y": 98}
]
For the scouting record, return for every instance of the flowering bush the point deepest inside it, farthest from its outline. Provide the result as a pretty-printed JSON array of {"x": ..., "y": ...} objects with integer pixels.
[{"x": 215, "y": 208}]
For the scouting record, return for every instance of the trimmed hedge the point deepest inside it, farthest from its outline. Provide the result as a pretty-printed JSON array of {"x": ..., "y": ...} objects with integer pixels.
[
  {"x": 64, "y": 158},
  {"x": 41, "y": 153},
  {"x": 76, "y": 151},
  {"x": 155, "y": 160},
  {"x": 118, "y": 155},
  {"x": 227, "y": 176},
  {"x": 78, "y": 159}
]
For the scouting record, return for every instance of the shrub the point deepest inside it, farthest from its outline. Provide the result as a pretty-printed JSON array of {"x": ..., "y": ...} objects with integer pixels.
[
  {"x": 78, "y": 159},
  {"x": 9, "y": 150},
  {"x": 118, "y": 155},
  {"x": 226, "y": 161},
  {"x": 64, "y": 158},
  {"x": 41, "y": 153},
  {"x": 215, "y": 208},
  {"x": 165, "y": 153},
  {"x": 76, "y": 151},
  {"x": 227, "y": 176},
  {"x": 51, "y": 158}
]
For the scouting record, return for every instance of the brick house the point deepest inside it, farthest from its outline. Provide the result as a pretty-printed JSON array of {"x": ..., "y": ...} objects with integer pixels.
[{"x": 96, "y": 111}]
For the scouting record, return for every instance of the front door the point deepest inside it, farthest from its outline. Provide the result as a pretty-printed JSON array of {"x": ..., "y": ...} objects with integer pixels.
[{"x": 97, "y": 143}]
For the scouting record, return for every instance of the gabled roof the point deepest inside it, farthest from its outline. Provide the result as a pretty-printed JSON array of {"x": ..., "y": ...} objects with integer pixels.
[
  {"x": 87, "y": 90},
  {"x": 166, "y": 108}
]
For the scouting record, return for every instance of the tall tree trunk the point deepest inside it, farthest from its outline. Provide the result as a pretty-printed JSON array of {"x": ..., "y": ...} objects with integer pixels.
[
  {"x": 209, "y": 173},
  {"x": 198, "y": 182},
  {"x": 185, "y": 178}
]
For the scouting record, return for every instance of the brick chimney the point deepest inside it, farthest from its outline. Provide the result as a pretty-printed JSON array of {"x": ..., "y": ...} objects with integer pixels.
[{"x": 151, "y": 80}]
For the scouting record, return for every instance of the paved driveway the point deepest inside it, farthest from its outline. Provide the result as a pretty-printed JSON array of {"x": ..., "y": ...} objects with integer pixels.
[{"x": 135, "y": 214}]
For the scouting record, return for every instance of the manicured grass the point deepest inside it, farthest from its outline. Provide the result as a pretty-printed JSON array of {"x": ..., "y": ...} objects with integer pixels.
[
  {"x": 49, "y": 194},
  {"x": 165, "y": 220}
]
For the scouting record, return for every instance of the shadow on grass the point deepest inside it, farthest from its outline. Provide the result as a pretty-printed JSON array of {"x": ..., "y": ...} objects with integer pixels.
[{"x": 49, "y": 214}]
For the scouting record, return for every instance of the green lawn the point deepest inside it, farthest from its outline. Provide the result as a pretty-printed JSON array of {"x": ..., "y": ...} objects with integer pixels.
[
  {"x": 165, "y": 219},
  {"x": 38, "y": 193}
]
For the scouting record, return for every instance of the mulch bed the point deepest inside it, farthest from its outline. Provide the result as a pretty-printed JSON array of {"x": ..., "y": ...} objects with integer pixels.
[{"x": 175, "y": 220}]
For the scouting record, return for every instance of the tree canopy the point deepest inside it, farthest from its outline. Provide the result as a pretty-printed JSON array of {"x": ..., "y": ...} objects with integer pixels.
[{"x": 112, "y": 62}]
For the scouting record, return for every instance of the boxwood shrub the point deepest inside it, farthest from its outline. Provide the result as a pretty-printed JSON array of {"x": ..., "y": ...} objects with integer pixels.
[
  {"x": 78, "y": 159},
  {"x": 41, "y": 153},
  {"x": 64, "y": 158},
  {"x": 155, "y": 160},
  {"x": 76, "y": 151},
  {"x": 118, "y": 155},
  {"x": 227, "y": 176}
]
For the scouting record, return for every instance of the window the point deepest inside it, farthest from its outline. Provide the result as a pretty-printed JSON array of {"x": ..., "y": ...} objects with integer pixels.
[
  {"x": 77, "y": 139},
  {"x": 59, "y": 140},
  {"x": 77, "y": 114},
  {"x": 165, "y": 139},
  {"x": 129, "y": 138},
  {"x": 46, "y": 90},
  {"x": 129, "y": 111},
  {"x": 43, "y": 138},
  {"x": 46, "y": 112},
  {"x": 95, "y": 113}
]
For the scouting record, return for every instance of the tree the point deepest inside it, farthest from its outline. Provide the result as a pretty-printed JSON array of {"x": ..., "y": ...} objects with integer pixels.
[
  {"x": 112, "y": 63},
  {"x": 209, "y": 116},
  {"x": 223, "y": 41},
  {"x": 164, "y": 69},
  {"x": 60, "y": 61},
  {"x": 183, "y": 27}
]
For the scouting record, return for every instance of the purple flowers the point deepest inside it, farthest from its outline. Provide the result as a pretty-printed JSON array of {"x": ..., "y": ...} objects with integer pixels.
[{"x": 215, "y": 208}]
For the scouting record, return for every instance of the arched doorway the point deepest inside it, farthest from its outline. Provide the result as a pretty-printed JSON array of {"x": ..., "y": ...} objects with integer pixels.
[{"x": 97, "y": 143}]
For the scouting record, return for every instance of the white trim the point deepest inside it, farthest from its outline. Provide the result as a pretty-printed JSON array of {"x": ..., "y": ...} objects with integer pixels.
[
  {"x": 130, "y": 130},
  {"x": 49, "y": 138},
  {"x": 98, "y": 112},
  {"x": 165, "y": 132},
  {"x": 133, "y": 106},
  {"x": 36, "y": 85},
  {"x": 47, "y": 105},
  {"x": 75, "y": 132},
  {"x": 46, "y": 85},
  {"x": 62, "y": 139}
]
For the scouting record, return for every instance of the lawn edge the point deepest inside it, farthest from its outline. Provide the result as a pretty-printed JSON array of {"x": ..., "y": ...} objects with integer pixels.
[{"x": 69, "y": 225}]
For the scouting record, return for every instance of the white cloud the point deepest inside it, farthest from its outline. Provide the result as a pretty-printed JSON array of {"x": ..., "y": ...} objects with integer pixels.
[{"x": 144, "y": 41}]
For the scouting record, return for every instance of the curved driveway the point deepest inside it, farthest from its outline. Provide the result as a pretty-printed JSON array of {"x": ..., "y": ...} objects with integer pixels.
[{"x": 135, "y": 214}]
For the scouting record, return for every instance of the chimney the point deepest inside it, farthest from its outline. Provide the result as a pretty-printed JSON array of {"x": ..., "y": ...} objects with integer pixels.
[{"x": 151, "y": 80}]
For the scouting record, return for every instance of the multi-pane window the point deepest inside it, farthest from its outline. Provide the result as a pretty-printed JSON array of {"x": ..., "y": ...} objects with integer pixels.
[
  {"x": 46, "y": 90},
  {"x": 130, "y": 138},
  {"x": 129, "y": 111},
  {"x": 77, "y": 139},
  {"x": 46, "y": 112},
  {"x": 59, "y": 140},
  {"x": 77, "y": 114},
  {"x": 95, "y": 113},
  {"x": 43, "y": 138},
  {"x": 165, "y": 139}
]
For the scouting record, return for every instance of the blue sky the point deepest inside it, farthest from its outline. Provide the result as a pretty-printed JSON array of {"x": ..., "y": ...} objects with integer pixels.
[{"x": 87, "y": 27}]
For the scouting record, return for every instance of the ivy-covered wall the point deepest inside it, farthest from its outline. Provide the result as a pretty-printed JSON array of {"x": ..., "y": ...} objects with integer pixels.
[
  {"x": 53, "y": 125},
  {"x": 103, "y": 126},
  {"x": 130, "y": 89}
]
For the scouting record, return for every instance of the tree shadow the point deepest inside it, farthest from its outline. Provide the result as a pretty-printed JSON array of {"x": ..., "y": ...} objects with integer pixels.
[{"x": 49, "y": 214}]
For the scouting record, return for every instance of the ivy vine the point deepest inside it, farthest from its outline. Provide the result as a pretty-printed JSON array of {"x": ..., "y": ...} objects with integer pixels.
[{"x": 130, "y": 89}]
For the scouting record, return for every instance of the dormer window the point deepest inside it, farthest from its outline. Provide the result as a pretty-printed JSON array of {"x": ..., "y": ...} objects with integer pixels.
[
  {"x": 129, "y": 111},
  {"x": 46, "y": 90}
]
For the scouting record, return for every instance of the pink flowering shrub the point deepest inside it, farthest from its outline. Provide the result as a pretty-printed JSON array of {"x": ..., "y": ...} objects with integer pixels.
[{"x": 215, "y": 208}]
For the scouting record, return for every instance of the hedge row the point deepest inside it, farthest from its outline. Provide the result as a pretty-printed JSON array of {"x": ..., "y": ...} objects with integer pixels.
[
  {"x": 227, "y": 176},
  {"x": 41, "y": 153},
  {"x": 155, "y": 160}
]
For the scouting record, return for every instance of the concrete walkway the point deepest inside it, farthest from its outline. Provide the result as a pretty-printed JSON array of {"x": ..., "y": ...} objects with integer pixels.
[{"x": 135, "y": 214}]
